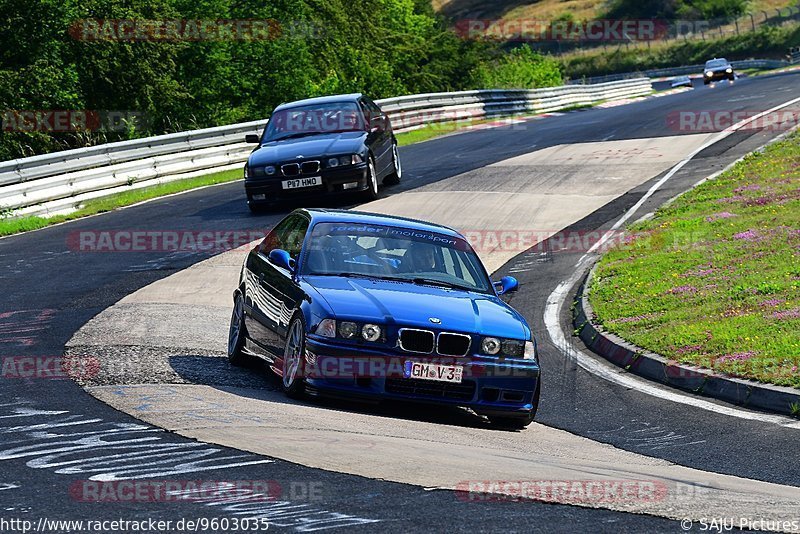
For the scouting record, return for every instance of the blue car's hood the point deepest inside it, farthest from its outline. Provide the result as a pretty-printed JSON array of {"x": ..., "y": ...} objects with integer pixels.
[
  {"x": 413, "y": 305},
  {"x": 316, "y": 146}
]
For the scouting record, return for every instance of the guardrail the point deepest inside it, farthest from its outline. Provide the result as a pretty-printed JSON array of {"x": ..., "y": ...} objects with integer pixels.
[
  {"x": 680, "y": 71},
  {"x": 59, "y": 182}
]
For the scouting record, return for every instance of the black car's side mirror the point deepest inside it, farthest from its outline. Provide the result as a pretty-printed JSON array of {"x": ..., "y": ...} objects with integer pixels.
[
  {"x": 506, "y": 285},
  {"x": 252, "y": 138},
  {"x": 282, "y": 259}
]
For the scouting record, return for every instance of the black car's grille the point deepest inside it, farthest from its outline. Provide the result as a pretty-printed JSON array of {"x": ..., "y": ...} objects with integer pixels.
[
  {"x": 428, "y": 388},
  {"x": 310, "y": 167},
  {"x": 453, "y": 344},
  {"x": 296, "y": 169},
  {"x": 290, "y": 169},
  {"x": 417, "y": 340}
]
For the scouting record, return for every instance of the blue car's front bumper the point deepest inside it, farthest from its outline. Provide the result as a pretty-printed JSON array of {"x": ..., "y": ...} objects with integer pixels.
[{"x": 489, "y": 386}]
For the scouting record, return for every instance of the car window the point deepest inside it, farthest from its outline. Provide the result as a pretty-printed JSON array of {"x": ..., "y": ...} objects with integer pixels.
[
  {"x": 314, "y": 119},
  {"x": 371, "y": 110},
  {"x": 287, "y": 235},
  {"x": 716, "y": 63},
  {"x": 395, "y": 253}
]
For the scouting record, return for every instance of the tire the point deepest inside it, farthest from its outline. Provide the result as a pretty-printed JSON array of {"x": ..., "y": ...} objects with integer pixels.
[
  {"x": 237, "y": 333},
  {"x": 372, "y": 181},
  {"x": 293, "y": 359},
  {"x": 397, "y": 174}
]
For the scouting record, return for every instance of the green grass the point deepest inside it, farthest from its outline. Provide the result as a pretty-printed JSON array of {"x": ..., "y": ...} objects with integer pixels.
[
  {"x": 714, "y": 278},
  {"x": 14, "y": 225}
]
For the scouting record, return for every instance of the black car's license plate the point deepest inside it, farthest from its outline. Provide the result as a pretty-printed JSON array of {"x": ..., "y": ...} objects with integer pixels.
[{"x": 302, "y": 182}]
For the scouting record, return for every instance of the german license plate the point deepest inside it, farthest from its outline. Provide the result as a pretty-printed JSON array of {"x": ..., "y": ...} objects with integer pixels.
[
  {"x": 434, "y": 371},
  {"x": 297, "y": 183}
]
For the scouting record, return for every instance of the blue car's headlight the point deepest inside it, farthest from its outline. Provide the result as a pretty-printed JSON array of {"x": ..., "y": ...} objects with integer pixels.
[
  {"x": 371, "y": 332},
  {"x": 512, "y": 348},
  {"x": 491, "y": 345},
  {"x": 349, "y": 330},
  {"x": 326, "y": 328},
  {"x": 530, "y": 351}
]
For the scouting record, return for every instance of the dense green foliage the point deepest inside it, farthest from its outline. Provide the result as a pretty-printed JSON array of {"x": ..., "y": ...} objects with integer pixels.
[
  {"x": 767, "y": 42},
  {"x": 521, "y": 67},
  {"x": 675, "y": 9},
  {"x": 324, "y": 47}
]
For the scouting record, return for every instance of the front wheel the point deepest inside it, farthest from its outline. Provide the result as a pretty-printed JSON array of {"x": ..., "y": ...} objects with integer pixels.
[
  {"x": 372, "y": 182},
  {"x": 237, "y": 334},
  {"x": 293, "y": 358},
  {"x": 397, "y": 174}
]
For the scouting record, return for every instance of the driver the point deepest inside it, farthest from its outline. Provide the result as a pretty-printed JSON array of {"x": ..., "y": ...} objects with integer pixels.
[{"x": 423, "y": 257}]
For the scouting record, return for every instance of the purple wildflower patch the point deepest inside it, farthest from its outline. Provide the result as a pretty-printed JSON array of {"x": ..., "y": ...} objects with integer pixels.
[
  {"x": 720, "y": 215},
  {"x": 771, "y": 303},
  {"x": 737, "y": 357},
  {"x": 751, "y": 187},
  {"x": 787, "y": 314},
  {"x": 688, "y": 348},
  {"x": 731, "y": 200},
  {"x": 634, "y": 318},
  {"x": 749, "y": 235},
  {"x": 682, "y": 289}
]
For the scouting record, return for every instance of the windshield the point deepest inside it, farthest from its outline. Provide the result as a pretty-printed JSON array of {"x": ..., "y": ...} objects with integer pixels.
[
  {"x": 394, "y": 253},
  {"x": 314, "y": 119},
  {"x": 714, "y": 63}
]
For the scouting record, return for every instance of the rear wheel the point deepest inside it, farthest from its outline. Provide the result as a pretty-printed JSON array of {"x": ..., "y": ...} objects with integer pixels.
[
  {"x": 237, "y": 333},
  {"x": 293, "y": 358},
  {"x": 397, "y": 174}
]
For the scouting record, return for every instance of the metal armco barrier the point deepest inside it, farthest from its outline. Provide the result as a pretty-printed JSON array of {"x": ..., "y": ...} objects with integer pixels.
[{"x": 61, "y": 181}]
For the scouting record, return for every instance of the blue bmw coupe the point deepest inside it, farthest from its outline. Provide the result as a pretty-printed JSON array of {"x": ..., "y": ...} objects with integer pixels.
[{"x": 371, "y": 306}]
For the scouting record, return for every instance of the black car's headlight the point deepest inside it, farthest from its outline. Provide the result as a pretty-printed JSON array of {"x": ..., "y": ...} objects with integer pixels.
[
  {"x": 260, "y": 172},
  {"x": 512, "y": 348},
  {"x": 709, "y": 73},
  {"x": 343, "y": 161},
  {"x": 729, "y": 70}
]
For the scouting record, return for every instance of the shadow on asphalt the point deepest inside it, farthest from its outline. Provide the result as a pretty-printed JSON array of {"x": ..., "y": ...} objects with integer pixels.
[{"x": 257, "y": 382}]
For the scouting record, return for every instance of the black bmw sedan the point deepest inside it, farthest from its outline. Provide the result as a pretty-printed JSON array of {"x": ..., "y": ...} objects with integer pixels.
[
  {"x": 718, "y": 69},
  {"x": 340, "y": 144}
]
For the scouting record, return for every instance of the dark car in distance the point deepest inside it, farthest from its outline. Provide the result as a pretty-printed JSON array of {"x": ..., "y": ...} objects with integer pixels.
[
  {"x": 718, "y": 69},
  {"x": 325, "y": 146}
]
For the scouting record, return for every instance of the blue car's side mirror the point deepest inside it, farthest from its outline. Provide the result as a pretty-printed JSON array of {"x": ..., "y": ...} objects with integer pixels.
[
  {"x": 282, "y": 259},
  {"x": 506, "y": 285}
]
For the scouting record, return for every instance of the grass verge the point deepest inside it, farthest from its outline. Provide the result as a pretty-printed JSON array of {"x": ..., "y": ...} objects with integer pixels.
[
  {"x": 14, "y": 225},
  {"x": 714, "y": 278}
]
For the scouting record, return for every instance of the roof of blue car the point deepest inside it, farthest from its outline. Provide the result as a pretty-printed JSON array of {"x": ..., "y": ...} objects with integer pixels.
[
  {"x": 363, "y": 217},
  {"x": 353, "y": 97}
]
